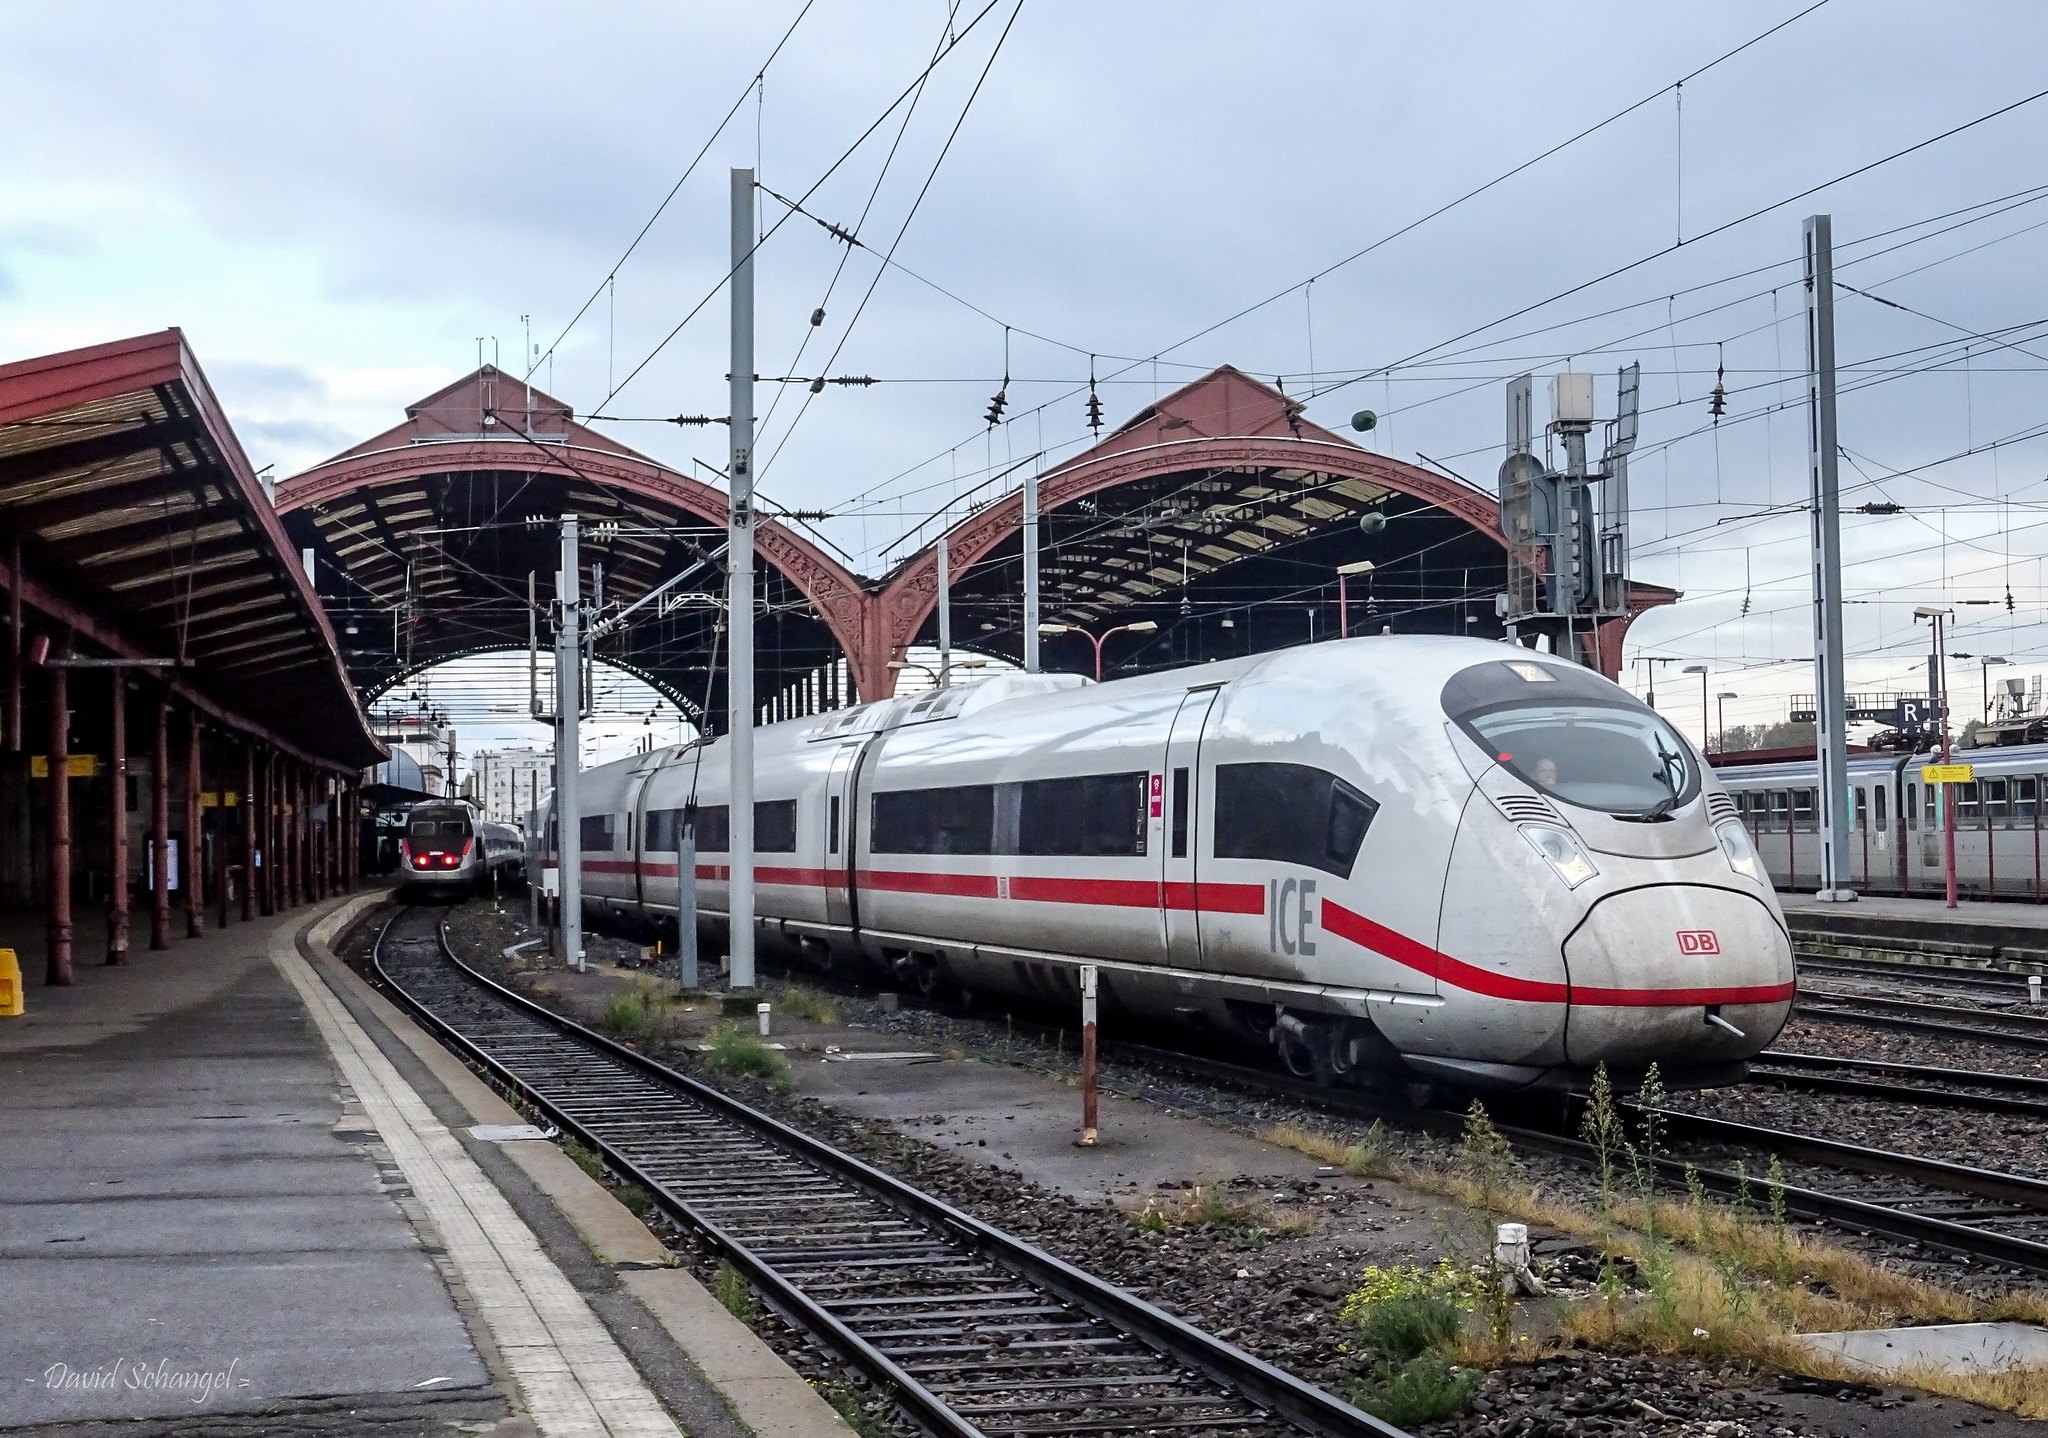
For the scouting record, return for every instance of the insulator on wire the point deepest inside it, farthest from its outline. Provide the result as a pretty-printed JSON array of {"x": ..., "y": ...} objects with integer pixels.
[
  {"x": 1094, "y": 399},
  {"x": 996, "y": 407},
  {"x": 818, "y": 385},
  {"x": 817, "y": 316},
  {"x": 1717, "y": 402}
]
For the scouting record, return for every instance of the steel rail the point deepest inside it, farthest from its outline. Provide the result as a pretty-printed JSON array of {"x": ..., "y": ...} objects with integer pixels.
[
  {"x": 1914, "y": 1017},
  {"x": 1798, "y": 1071},
  {"x": 1237, "y": 1373},
  {"x": 1992, "y": 982}
]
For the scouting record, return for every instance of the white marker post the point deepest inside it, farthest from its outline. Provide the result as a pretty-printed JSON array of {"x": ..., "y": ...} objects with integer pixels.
[{"x": 1089, "y": 1096}]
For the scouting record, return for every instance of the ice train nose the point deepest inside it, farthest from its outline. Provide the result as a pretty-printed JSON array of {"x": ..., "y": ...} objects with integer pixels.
[{"x": 1681, "y": 974}]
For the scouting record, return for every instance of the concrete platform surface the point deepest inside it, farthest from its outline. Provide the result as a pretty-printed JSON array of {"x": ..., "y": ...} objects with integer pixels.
[
  {"x": 1887, "y": 907},
  {"x": 1956, "y": 1347},
  {"x": 194, "y": 1215}
]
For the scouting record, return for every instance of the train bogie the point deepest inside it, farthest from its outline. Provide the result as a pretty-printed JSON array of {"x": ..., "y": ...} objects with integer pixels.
[{"x": 1390, "y": 854}]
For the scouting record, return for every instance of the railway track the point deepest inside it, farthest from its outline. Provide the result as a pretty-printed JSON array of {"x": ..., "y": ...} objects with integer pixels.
[
  {"x": 1994, "y": 1026},
  {"x": 1939, "y": 1208},
  {"x": 1984, "y": 984},
  {"x": 1923, "y": 1084},
  {"x": 971, "y": 1331}
]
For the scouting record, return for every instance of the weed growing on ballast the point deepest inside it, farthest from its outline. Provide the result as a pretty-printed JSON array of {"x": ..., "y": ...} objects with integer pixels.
[
  {"x": 731, "y": 1049},
  {"x": 732, "y": 1292}
]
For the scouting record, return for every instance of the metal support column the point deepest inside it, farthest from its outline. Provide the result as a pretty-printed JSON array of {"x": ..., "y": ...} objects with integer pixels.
[
  {"x": 14, "y": 655},
  {"x": 57, "y": 971},
  {"x": 569, "y": 749},
  {"x": 1030, "y": 522},
  {"x": 945, "y": 610},
  {"x": 1829, "y": 688},
  {"x": 160, "y": 829},
  {"x": 117, "y": 819},
  {"x": 195, "y": 848},
  {"x": 249, "y": 816},
  {"x": 740, "y": 589}
]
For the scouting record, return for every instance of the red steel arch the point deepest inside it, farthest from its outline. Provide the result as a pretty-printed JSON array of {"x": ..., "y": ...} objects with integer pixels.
[{"x": 834, "y": 591}]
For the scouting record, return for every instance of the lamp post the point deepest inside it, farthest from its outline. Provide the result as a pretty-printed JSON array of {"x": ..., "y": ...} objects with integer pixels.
[
  {"x": 1344, "y": 572},
  {"x": 1142, "y": 626},
  {"x": 1721, "y": 719},
  {"x": 1984, "y": 673},
  {"x": 1701, "y": 670},
  {"x": 1948, "y": 798}
]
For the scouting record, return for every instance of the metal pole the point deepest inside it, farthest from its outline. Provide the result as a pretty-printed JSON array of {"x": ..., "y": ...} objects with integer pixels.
[
  {"x": 1031, "y": 570},
  {"x": 58, "y": 967},
  {"x": 1097, "y": 642},
  {"x": 1343, "y": 610},
  {"x": 945, "y": 611},
  {"x": 117, "y": 822},
  {"x": 195, "y": 821},
  {"x": 1720, "y": 725},
  {"x": 1830, "y": 700},
  {"x": 1090, "y": 1097},
  {"x": 569, "y": 750},
  {"x": 1948, "y": 790},
  {"x": 160, "y": 830},
  {"x": 249, "y": 813},
  {"x": 739, "y": 607},
  {"x": 14, "y": 652},
  {"x": 1703, "y": 712}
]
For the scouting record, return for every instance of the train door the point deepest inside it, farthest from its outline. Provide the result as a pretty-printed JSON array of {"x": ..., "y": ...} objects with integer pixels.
[
  {"x": 840, "y": 782},
  {"x": 1180, "y": 791}
]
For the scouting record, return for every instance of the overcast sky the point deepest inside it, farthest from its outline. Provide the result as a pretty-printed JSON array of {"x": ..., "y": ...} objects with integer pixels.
[{"x": 335, "y": 205}]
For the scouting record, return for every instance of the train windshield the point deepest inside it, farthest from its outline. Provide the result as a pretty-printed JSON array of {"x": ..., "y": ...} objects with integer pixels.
[
  {"x": 438, "y": 826},
  {"x": 1575, "y": 737}
]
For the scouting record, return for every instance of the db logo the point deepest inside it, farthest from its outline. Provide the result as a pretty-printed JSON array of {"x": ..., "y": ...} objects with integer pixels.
[{"x": 1698, "y": 941}]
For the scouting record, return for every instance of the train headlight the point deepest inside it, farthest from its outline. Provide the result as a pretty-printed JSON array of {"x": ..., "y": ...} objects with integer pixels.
[
  {"x": 1562, "y": 850},
  {"x": 1738, "y": 850}
]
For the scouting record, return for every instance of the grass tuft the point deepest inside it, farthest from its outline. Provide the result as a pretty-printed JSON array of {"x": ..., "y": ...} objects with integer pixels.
[
  {"x": 636, "y": 1017},
  {"x": 732, "y": 1050},
  {"x": 732, "y": 1292},
  {"x": 1422, "y": 1390},
  {"x": 1206, "y": 1208},
  {"x": 802, "y": 1002}
]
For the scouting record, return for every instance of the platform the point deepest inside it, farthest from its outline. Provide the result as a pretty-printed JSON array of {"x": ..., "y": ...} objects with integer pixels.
[
  {"x": 240, "y": 1183},
  {"x": 2010, "y": 935}
]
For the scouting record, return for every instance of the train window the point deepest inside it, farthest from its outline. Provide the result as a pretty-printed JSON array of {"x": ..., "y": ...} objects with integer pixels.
[
  {"x": 711, "y": 824},
  {"x": 1912, "y": 806},
  {"x": 960, "y": 820},
  {"x": 1933, "y": 792},
  {"x": 425, "y": 823},
  {"x": 775, "y": 826},
  {"x": 1776, "y": 800},
  {"x": 1573, "y": 736},
  {"x": 1096, "y": 814},
  {"x": 832, "y": 826},
  {"x": 1802, "y": 808},
  {"x": 660, "y": 830},
  {"x": 597, "y": 833},
  {"x": 1180, "y": 813},
  {"x": 1969, "y": 804},
  {"x": 1878, "y": 807},
  {"x": 2025, "y": 793},
  {"x": 1994, "y": 800},
  {"x": 1862, "y": 810},
  {"x": 1290, "y": 813}
]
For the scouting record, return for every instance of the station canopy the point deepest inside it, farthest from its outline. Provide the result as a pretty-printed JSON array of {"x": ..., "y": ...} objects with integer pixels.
[
  {"x": 429, "y": 537},
  {"x": 133, "y": 519},
  {"x": 1222, "y": 517}
]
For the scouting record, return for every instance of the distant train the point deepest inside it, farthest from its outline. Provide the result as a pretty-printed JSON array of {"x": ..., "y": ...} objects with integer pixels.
[
  {"x": 448, "y": 849},
  {"x": 1430, "y": 857},
  {"x": 1895, "y": 830}
]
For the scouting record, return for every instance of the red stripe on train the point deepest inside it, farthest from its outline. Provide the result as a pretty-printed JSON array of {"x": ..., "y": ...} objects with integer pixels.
[{"x": 1411, "y": 954}]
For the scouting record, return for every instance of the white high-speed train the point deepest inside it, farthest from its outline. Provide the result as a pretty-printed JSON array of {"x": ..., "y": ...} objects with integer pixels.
[{"x": 1445, "y": 856}]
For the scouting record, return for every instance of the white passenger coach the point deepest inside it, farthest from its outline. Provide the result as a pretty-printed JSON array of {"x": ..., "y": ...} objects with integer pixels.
[{"x": 1431, "y": 856}]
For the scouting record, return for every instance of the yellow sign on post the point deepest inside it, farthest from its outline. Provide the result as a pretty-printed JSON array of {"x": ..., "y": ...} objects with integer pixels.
[
  {"x": 76, "y": 766},
  {"x": 10, "y": 985},
  {"x": 1948, "y": 773}
]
